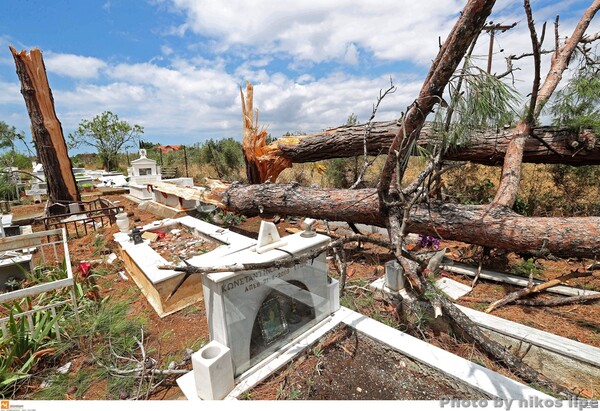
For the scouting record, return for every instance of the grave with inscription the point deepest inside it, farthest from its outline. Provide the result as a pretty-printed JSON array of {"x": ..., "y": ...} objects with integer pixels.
[{"x": 253, "y": 314}]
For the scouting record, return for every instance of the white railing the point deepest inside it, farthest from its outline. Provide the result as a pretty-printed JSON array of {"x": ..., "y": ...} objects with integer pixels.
[{"x": 13, "y": 249}]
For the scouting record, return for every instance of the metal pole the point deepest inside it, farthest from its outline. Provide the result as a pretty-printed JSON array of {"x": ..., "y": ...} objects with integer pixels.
[
  {"x": 491, "y": 50},
  {"x": 186, "y": 162}
]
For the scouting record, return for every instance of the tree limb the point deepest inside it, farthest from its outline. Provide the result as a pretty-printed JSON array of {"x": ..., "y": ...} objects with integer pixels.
[{"x": 536, "y": 289}]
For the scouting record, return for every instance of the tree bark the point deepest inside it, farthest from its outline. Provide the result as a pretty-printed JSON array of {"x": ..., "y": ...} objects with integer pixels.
[
  {"x": 554, "y": 302},
  {"x": 494, "y": 227},
  {"x": 486, "y": 147},
  {"x": 46, "y": 128}
]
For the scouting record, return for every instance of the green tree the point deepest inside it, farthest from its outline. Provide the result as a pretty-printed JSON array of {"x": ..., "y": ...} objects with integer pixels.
[
  {"x": 225, "y": 155},
  {"x": 577, "y": 105},
  {"x": 8, "y": 135},
  {"x": 9, "y": 157},
  {"x": 108, "y": 135}
]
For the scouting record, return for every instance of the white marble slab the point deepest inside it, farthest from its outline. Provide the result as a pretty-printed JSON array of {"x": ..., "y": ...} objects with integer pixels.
[{"x": 452, "y": 288}]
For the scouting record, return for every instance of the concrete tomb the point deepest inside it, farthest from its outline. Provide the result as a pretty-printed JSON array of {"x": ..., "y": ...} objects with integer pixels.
[{"x": 142, "y": 172}]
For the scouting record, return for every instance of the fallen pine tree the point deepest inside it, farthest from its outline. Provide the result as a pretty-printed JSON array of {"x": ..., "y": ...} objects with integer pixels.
[
  {"x": 403, "y": 209},
  {"x": 493, "y": 227},
  {"x": 547, "y": 145}
]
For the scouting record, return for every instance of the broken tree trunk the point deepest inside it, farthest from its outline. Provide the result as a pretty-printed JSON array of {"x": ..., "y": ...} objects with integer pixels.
[
  {"x": 45, "y": 126},
  {"x": 494, "y": 227},
  {"x": 483, "y": 147},
  {"x": 258, "y": 168}
]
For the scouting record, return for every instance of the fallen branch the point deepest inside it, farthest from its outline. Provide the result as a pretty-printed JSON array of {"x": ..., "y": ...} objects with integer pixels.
[
  {"x": 536, "y": 289},
  {"x": 578, "y": 299},
  {"x": 189, "y": 269},
  {"x": 492, "y": 348},
  {"x": 554, "y": 302}
]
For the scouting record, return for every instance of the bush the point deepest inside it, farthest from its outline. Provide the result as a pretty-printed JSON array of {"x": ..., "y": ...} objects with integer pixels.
[{"x": 224, "y": 155}]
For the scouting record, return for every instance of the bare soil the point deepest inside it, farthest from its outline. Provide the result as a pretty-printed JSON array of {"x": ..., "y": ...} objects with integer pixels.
[{"x": 347, "y": 365}]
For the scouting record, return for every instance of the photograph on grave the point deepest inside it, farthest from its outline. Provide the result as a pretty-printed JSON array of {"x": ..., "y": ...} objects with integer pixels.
[{"x": 265, "y": 310}]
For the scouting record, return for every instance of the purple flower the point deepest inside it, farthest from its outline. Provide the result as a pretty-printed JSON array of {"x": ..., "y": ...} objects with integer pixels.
[{"x": 427, "y": 241}]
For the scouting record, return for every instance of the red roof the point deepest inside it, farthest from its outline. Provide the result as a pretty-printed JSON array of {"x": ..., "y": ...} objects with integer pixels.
[{"x": 168, "y": 149}]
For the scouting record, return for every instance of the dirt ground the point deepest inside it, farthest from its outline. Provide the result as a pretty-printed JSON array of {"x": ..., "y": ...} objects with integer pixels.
[
  {"x": 347, "y": 365},
  {"x": 172, "y": 335}
]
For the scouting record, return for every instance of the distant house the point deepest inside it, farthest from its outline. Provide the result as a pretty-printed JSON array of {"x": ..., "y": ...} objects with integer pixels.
[{"x": 168, "y": 149}]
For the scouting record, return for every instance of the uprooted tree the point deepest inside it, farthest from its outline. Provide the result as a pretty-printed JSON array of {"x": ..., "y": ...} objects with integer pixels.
[{"x": 406, "y": 207}]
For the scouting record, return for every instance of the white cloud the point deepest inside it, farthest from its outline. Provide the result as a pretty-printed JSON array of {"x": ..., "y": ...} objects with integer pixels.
[
  {"x": 317, "y": 30},
  {"x": 11, "y": 93},
  {"x": 187, "y": 100},
  {"x": 351, "y": 56},
  {"x": 72, "y": 65},
  {"x": 190, "y": 102}
]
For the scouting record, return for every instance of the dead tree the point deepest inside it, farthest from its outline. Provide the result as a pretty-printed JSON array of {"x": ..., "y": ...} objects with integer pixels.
[{"x": 45, "y": 126}]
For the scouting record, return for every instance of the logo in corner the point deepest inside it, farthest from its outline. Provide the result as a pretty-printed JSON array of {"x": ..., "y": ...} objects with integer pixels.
[{"x": 4, "y": 405}]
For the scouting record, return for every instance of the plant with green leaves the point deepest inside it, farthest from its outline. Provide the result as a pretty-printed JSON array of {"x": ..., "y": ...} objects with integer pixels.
[
  {"x": 577, "y": 105},
  {"x": 21, "y": 346},
  {"x": 225, "y": 155},
  {"x": 108, "y": 135},
  {"x": 478, "y": 101}
]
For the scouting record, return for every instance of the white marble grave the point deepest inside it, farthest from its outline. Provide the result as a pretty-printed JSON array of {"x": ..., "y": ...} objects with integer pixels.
[
  {"x": 142, "y": 172},
  {"x": 256, "y": 312}
]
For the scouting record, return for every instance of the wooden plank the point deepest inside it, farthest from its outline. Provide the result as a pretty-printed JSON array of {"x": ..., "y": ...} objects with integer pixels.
[{"x": 546, "y": 340}]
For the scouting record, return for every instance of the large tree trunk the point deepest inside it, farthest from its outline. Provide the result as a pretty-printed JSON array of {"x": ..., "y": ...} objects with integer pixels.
[
  {"x": 484, "y": 147},
  {"x": 496, "y": 227},
  {"x": 46, "y": 128}
]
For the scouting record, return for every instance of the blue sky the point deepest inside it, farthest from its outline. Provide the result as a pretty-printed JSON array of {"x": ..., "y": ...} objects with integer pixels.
[{"x": 175, "y": 66}]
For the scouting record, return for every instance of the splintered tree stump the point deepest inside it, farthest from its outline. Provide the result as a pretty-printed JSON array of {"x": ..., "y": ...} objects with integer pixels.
[
  {"x": 260, "y": 167},
  {"x": 46, "y": 128}
]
